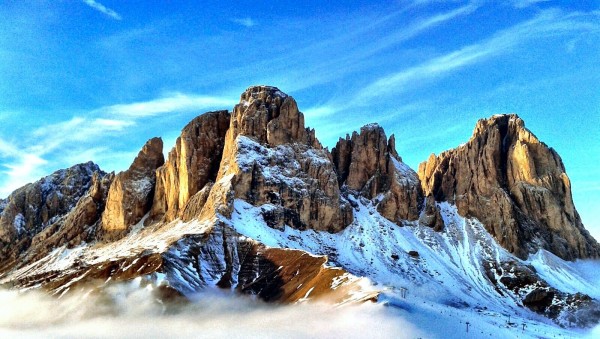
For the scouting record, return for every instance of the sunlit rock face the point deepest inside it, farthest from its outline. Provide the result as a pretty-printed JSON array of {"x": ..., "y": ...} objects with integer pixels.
[
  {"x": 131, "y": 193},
  {"x": 191, "y": 165},
  {"x": 274, "y": 159},
  {"x": 514, "y": 184},
  {"x": 270, "y": 117}
]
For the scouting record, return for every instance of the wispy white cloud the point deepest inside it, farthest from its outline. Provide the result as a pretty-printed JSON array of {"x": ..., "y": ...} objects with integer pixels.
[
  {"x": 176, "y": 102},
  {"x": 342, "y": 60},
  {"x": 23, "y": 168},
  {"x": 103, "y": 9},
  {"x": 78, "y": 129},
  {"x": 77, "y": 138},
  {"x": 526, "y": 3},
  {"x": 26, "y": 161},
  {"x": 246, "y": 22},
  {"x": 546, "y": 24},
  {"x": 7, "y": 149}
]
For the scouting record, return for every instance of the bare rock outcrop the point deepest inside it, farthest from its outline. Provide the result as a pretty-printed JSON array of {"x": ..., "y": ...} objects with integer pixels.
[
  {"x": 132, "y": 191},
  {"x": 273, "y": 159},
  {"x": 368, "y": 163},
  {"x": 77, "y": 226},
  {"x": 270, "y": 117},
  {"x": 192, "y": 164},
  {"x": 33, "y": 207},
  {"x": 431, "y": 215},
  {"x": 515, "y": 185}
]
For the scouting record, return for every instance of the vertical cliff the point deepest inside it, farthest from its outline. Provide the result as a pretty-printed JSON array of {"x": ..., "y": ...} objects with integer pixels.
[
  {"x": 131, "y": 193},
  {"x": 192, "y": 164}
]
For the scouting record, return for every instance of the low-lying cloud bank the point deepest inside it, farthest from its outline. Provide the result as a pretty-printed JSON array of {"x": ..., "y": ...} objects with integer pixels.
[{"x": 127, "y": 312}]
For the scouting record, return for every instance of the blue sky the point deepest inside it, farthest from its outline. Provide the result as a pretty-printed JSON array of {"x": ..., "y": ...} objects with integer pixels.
[{"x": 93, "y": 80}]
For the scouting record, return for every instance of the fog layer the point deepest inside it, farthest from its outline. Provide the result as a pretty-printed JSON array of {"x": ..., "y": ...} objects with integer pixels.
[{"x": 125, "y": 311}]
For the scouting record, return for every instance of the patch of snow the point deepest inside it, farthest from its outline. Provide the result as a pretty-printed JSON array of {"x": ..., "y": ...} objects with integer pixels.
[
  {"x": 572, "y": 277},
  {"x": 405, "y": 173},
  {"x": 142, "y": 186},
  {"x": 305, "y": 298},
  {"x": 278, "y": 165},
  {"x": 19, "y": 223},
  {"x": 371, "y": 126}
]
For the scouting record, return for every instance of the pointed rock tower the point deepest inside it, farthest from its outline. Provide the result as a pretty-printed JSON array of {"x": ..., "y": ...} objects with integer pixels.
[{"x": 368, "y": 163}]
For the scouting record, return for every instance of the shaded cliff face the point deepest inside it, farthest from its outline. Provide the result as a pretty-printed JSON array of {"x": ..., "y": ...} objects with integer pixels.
[
  {"x": 514, "y": 184},
  {"x": 79, "y": 225},
  {"x": 32, "y": 208},
  {"x": 368, "y": 163}
]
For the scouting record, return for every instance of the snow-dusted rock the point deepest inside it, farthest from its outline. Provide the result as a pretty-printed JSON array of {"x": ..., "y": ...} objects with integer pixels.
[
  {"x": 368, "y": 163},
  {"x": 32, "y": 208},
  {"x": 274, "y": 159}
]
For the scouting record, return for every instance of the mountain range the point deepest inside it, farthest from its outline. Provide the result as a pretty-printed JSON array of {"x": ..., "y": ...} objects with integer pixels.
[{"x": 250, "y": 201}]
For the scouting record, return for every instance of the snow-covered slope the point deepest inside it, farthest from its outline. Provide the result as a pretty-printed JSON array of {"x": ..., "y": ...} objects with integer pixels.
[{"x": 445, "y": 275}]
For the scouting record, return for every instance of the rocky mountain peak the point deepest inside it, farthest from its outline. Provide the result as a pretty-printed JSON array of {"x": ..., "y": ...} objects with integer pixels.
[
  {"x": 149, "y": 158},
  {"x": 34, "y": 207},
  {"x": 514, "y": 184},
  {"x": 270, "y": 116},
  {"x": 192, "y": 164},
  {"x": 272, "y": 159},
  {"x": 261, "y": 92},
  {"x": 367, "y": 162}
]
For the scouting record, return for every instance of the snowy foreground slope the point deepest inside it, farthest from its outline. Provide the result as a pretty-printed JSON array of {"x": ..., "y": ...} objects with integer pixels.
[
  {"x": 443, "y": 286},
  {"x": 434, "y": 281}
]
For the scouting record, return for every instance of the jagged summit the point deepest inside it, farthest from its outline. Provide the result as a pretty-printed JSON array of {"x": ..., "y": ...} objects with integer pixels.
[
  {"x": 515, "y": 184},
  {"x": 35, "y": 205},
  {"x": 131, "y": 192},
  {"x": 270, "y": 116},
  {"x": 367, "y": 162},
  {"x": 260, "y": 92}
]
